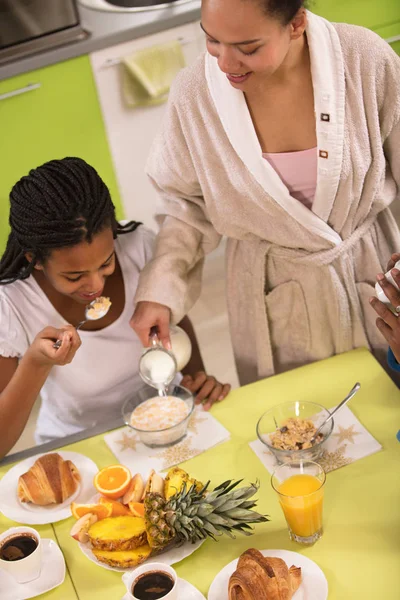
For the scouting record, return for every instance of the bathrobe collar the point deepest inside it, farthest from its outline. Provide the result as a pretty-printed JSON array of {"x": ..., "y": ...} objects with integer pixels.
[{"x": 327, "y": 71}]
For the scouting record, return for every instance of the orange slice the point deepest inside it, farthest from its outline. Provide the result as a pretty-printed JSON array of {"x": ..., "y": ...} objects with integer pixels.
[
  {"x": 102, "y": 511},
  {"x": 137, "y": 509},
  {"x": 113, "y": 481},
  {"x": 118, "y": 509}
]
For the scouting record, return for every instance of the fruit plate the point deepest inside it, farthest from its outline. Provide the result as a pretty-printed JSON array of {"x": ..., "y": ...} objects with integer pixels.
[
  {"x": 30, "y": 514},
  {"x": 167, "y": 558},
  {"x": 314, "y": 585}
]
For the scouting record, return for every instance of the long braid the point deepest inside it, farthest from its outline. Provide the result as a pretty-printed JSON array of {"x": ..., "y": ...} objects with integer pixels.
[{"x": 59, "y": 204}]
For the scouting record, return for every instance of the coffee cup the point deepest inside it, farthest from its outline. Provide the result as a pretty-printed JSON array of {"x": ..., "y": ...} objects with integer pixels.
[
  {"x": 21, "y": 553},
  {"x": 151, "y": 574}
]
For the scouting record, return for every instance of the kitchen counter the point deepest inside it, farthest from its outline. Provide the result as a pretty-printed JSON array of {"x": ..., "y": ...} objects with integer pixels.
[{"x": 107, "y": 29}]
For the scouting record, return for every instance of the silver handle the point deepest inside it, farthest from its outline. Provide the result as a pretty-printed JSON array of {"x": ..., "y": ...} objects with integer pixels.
[
  {"x": 392, "y": 40},
  {"x": 29, "y": 88},
  {"x": 111, "y": 62},
  {"x": 349, "y": 396}
]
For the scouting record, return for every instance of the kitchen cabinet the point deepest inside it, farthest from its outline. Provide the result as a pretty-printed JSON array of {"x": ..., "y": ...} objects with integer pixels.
[
  {"x": 51, "y": 113},
  {"x": 131, "y": 131}
]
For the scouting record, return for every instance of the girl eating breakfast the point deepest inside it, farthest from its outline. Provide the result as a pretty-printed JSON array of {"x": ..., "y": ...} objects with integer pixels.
[
  {"x": 66, "y": 250},
  {"x": 284, "y": 137}
]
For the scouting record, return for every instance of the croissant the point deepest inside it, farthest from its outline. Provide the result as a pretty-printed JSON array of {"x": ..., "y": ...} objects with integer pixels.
[
  {"x": 262, "y": 578},
  {"x": 51, "y": 480}
]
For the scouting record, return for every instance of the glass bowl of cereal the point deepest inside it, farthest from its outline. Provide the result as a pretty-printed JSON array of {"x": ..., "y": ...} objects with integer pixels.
[
  {"x": 159, "y": 421},
  {"x": 287, "y": 430}
]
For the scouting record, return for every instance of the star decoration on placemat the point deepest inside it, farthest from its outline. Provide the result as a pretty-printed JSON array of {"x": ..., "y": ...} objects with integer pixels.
[
  {"x": 346, "y": 434},
  {"x": 128, "y": 441},
  {"x": 174, "y": 455},
  {"x": 195, "y": 421},
  {"x": 330, "y": 461}
]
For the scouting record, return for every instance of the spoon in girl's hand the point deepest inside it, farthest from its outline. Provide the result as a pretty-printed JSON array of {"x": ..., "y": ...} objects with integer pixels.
[{"x": 97, "y": 309}]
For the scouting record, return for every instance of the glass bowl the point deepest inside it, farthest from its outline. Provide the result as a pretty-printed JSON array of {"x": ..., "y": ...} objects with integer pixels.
[
  {"x": 157, "y": 438},
  {"x": 275, "y": 418}
]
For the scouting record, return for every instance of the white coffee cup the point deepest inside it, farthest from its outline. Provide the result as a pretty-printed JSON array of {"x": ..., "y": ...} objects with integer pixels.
[
  {"x": 129, "y": 579},
  {"x": 28, "y": 568},
  {"x": 380, "y": 294}
]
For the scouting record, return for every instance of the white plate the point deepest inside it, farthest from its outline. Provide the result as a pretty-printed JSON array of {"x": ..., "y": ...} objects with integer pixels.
[
  {"x": 187, "y": 591},
  {"x": 29, "y": 514},
  {"x": 168, "y": 558},
  {"x": 52, "y": 575},
  {"x": 314, "y": 585}
]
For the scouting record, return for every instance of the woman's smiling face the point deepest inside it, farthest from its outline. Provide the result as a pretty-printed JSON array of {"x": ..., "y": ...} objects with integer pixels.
[{"x": 248, "y": 44}]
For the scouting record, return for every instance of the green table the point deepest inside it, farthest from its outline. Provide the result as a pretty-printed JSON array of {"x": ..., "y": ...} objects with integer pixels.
[{"x": 360, "y": 549}]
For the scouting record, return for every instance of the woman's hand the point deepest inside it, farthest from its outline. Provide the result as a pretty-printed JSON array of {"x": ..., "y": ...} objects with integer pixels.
[
  {"x": 393, "y": 260},
  {"x": 389, "y": 323},
  {"x": 42, "y": 352},
  {"x": 206, "y": 389},
  {"x": 148, "y": 315}
]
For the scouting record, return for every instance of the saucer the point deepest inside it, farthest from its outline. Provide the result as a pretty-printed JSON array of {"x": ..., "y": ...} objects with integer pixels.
[
  {"x": 52, "y": 575},
  {"x": 313, "y": 585},
  {"x": 30, "y": 514},
  {"x": 187, "y": 591}
]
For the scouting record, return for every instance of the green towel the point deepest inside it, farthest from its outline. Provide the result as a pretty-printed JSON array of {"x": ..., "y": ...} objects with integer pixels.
[{"x": 147, "y": 75}]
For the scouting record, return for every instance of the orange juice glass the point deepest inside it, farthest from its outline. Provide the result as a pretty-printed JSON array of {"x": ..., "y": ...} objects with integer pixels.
[{"x": 300, "y": 488}]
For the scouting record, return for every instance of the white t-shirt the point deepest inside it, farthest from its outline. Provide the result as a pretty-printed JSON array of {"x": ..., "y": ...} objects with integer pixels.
[{"x": 104, "y": 372}]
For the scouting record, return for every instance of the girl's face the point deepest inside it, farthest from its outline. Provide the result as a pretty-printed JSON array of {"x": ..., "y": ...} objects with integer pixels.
[
  {"x": 80, "y": 271},
  {"x": 249, "y": 45}
]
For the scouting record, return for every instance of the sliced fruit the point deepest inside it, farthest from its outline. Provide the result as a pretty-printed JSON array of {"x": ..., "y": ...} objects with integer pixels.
[
  {"x": 174, "y": 482},
  {"x": 123, "y": 558},
  {"x": 135, "y": 490},
  {"x": 117, "y": 509},
  {"x": 118, "y": 533},
  {"x": 80, "y": 528},
  {"x": 136, "y": 508},
  {"x": 155, "y": 484},
  {"x": 113, "y": 481},
  {"x": 102, "y": 511}
]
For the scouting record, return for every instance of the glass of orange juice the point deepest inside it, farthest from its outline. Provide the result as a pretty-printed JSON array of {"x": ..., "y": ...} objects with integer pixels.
[{"x": 300, "y": 488}]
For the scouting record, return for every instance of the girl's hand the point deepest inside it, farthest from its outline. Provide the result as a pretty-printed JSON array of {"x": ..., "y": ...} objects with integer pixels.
[
  {"x": 41, "y": 350},
  {"x": 389, "y": 323},
  {"x": 148, "y": 315},
  {"x": 205, "y": 388}
]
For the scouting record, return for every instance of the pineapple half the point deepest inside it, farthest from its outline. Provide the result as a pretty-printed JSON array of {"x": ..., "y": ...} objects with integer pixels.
[
  {"x": 192, "y": 514},
  {"x": 118, "y": 533},
  {"x": 124, "y": 559},
  {"x": 175, "y": 480}
]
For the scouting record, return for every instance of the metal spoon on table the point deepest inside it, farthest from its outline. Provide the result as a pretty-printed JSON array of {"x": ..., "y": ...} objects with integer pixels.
[
  {"x": 92, "y": 313},
  {"x": 339, "y": 406}
]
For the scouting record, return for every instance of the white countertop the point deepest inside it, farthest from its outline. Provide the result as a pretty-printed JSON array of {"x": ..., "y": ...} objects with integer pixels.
[{"x": 107, "y": 29}]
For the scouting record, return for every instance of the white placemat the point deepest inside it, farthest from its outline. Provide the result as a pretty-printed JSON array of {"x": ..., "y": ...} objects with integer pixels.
[
  {"x": 204, "y": 432},
  {"x": 348, "y": 442}
]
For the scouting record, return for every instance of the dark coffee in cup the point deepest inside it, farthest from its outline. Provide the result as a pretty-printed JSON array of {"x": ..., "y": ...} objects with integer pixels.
[
  {"x": 153, "y": 585},
  {"x": 18, "y": 546}
]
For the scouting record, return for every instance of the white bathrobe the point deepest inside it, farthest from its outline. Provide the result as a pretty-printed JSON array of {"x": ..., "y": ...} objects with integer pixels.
[{"x": 298, "y": 281}]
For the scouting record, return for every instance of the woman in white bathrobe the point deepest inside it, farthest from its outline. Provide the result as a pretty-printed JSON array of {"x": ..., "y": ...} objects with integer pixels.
[{"x": 284, "y": 138}]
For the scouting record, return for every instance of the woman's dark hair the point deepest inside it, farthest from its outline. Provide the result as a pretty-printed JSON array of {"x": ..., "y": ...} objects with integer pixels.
[
  {"x": 283, "y": 10},
  {"x": 62, "y": 203}
]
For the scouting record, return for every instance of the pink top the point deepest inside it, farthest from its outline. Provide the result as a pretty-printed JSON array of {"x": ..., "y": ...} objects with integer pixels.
[{"x": 298, "y": 171}]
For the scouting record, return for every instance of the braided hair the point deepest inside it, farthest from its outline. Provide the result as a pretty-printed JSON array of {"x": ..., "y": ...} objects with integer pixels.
[{"x": 61, "y": 203}]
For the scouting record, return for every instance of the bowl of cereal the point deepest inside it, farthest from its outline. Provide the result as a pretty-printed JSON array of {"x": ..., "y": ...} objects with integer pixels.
[
  {"x": 159, "y": 420},
  {"x": 287, "y": 430}
]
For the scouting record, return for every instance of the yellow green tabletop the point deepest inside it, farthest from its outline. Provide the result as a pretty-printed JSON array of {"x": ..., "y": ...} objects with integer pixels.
[{"x": 360, "y": 549}]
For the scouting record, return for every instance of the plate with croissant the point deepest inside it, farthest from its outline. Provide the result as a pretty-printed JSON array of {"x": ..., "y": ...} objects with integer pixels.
[
  {"x": 40, "y": 489},
  {"x": 270, "y": 575}
]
